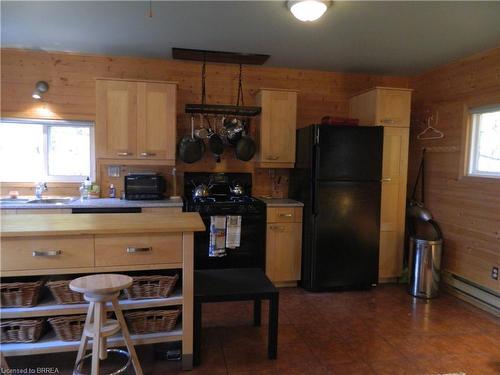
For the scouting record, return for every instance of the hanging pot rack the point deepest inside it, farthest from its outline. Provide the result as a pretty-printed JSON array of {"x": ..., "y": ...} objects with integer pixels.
[{"x": 224, "y": 57}]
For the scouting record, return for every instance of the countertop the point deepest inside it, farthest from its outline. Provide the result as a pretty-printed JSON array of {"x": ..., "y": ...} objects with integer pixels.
[
  {"x": 97, "y": 203},
  {"x": 281, "y": 202},
  {"x": 63, "y": 224}
]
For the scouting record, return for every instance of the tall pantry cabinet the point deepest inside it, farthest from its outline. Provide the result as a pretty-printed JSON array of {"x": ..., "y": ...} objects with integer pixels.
[{"x": 390, "y": 108}]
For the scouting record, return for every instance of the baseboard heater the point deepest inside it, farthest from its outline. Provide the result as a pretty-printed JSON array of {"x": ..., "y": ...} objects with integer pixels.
[{"x": 469, "y": 291}]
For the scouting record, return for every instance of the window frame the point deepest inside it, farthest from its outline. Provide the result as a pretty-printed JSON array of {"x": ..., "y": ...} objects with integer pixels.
[{"x": 46, "y": 124}]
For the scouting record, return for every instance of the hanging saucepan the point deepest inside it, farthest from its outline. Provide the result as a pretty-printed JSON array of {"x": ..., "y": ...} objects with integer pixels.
[
  {"x": 245, "y": 148},
  {"x": 191, "y": 149},
  {"x": 234, "y": 128},
  {"x": 215, "y": 142}
]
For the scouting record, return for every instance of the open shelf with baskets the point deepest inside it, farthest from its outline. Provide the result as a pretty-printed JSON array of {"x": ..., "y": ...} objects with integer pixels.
[
  {"x": 49, "y": 307},
  {"x": 49, "y": 343}
]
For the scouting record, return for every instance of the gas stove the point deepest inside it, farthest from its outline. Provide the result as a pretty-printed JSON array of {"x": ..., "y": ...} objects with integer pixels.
[{"x": 220, "y": 200}]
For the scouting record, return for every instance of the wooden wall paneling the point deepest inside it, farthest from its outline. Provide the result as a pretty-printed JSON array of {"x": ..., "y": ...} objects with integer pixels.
[
  {"x": 72, "y": 90},
  {"x": 467, "y": 209}
]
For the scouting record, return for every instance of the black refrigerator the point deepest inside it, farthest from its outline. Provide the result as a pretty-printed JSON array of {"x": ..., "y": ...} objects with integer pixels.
[{"x": 338, "y": 177}]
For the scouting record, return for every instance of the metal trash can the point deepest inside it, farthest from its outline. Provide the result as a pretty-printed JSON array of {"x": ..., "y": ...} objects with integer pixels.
[{"x": 425, "y": 267}]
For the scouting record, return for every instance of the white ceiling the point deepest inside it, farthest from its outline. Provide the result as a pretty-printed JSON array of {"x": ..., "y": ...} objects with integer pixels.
[{"x": 353, "y": 36}]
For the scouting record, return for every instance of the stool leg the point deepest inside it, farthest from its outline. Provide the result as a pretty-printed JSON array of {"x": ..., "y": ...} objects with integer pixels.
[
  {"x": 84, "y": 340},
  {"x": 126, "y": 337},
  {"x": 103, "y": 354},
  {"x": 96, "y": 340}
]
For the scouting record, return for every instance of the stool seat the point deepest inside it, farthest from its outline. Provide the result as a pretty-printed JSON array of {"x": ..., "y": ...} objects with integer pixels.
[
  {"x": 101, "y": 284},
  {"x": 109, "y": 328}
]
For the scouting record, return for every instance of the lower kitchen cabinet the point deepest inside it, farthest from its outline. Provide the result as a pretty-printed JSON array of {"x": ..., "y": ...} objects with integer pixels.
[{"x": 284, "y": 245}]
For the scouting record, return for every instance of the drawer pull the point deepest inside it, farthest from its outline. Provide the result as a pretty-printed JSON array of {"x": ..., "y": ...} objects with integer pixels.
[
  {"x": 138, "y": 249},
  {"x": 286, "y": 215},
  {"x": 46, "y": 253},
  {"x": 388, "y": 179},
  {"x": 124, "y": 153},
  {"x": 272, "y": 157},
  {"x": 278, "y": 228},
  {"x": 146, "y": 154},
  {"x": 387, "y": 121}
]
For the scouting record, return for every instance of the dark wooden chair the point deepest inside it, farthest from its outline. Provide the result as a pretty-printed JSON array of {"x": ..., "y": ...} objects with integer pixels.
[{"x": 235, "y": 284}]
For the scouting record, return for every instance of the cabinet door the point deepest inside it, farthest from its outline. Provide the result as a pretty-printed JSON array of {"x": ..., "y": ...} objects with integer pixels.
[
  {"x": 393, "y": 202},
  {"x": 156, "y": 120},
  {"x": 283, "y": 254},
  {"x": 278, "y": 126},
  {"x": 116, "y": 116},
  {"x": 391, "y": 254},
  {"x": 393, "y": 107}
]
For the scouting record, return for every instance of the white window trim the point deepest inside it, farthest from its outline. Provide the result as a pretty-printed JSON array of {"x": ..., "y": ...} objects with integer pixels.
[
  {"x": 473, "y": 140},
  {"x": 46, "y": 124}
]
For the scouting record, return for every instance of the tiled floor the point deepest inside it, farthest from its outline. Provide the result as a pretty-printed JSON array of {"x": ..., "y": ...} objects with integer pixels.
[{"x": 383, "y": 331}]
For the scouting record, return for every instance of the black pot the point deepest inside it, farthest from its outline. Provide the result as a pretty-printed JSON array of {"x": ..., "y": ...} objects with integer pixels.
[{"x": 191, "y": 149}]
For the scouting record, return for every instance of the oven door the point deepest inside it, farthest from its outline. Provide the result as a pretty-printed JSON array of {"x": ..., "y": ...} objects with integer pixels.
[{"x": 250, "y": 254}]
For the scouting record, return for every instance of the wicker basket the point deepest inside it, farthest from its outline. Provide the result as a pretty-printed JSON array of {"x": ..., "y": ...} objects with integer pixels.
[
  {"x": 21, "y": 294},
  {"x": 156, "y": 286},
  {"x": 152, "y": 320},
  {"x": 63, "y": 294},
  {"x": 68, "y": 328},
  {"x": 18, "y": 330}
]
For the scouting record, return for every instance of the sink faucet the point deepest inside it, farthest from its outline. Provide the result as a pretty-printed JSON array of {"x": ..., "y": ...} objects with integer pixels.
[{"x": 39, "y": 189}]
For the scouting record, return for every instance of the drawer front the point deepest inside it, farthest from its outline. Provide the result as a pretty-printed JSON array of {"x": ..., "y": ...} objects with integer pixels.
[
  {"x": 47, "y": 253},
  {"x": 133, "y": 249},
  {"x": 284, "y": 215}
]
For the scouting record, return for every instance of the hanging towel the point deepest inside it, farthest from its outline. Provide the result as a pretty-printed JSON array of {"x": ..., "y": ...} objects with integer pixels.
[
  {"x": 233, "y": 232},
  {"x": 217, "y": 245}
]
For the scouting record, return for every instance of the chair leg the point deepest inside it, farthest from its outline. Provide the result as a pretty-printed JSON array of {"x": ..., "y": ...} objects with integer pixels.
[
  {"x": 84, "y": 340},
  {"x": 96, "y": 339},
  {"x": 257, "y": 311},
  {"x": 126, "y": 337}
]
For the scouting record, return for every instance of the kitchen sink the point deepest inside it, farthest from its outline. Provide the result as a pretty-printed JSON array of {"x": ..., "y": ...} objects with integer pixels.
[
  {"x": 13, "y": 200},
  {"x": 51, "y": 201}
]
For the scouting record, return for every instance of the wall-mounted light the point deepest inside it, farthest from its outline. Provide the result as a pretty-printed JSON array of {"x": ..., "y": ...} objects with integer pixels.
[
  {"x": 41, "y": 87},
  {"x": 308, "y": 10}
]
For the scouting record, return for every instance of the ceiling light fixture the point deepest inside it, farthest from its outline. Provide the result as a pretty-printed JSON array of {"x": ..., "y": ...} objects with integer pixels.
[
  {"x": 41, "y": 87},
  {"x": 308, "y": 10}
]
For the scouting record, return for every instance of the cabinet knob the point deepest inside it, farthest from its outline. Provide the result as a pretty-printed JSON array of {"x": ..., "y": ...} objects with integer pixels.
[
  {"x": 46, "y": 253},
  {"x": 124, "y": 154},
  {"x": 146, "y": 154},
  {"x": 138, "y": 249}
]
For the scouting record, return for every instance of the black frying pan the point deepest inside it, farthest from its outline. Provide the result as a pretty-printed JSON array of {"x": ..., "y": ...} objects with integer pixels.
[
  {"x": 191, "y": 149},
  {"x": 245, "y": 148}
]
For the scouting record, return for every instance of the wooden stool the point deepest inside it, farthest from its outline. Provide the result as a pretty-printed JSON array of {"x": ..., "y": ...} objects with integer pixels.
[{"x": 99, "y": 289}]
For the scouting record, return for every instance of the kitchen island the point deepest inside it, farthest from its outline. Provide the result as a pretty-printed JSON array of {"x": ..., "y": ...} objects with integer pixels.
[{"x": 59, "y": 244}]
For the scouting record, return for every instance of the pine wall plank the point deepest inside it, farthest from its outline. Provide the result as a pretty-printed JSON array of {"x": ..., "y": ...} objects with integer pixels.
[
  {"x": 72, "y": 92},
  {"x": 468, "y": 210}
]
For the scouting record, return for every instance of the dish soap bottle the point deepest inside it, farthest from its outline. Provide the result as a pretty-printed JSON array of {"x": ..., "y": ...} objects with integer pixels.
[{"x": 85, "y": 188}]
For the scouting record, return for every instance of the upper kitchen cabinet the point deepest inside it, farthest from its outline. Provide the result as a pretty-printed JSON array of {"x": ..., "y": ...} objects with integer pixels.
[
  {"x": 384, "y": 106},
  {"x": 278, "y": 123},
  {"x": 136, "y": 120}
]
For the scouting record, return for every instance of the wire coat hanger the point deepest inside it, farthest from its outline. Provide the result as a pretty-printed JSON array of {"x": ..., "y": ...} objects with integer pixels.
[{"x": 436, "y": 134}]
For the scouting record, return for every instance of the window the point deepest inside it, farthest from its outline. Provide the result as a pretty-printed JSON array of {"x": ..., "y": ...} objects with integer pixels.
[
  {"x": 484, "y": 146},
  {"x": 45, "y": 150}
]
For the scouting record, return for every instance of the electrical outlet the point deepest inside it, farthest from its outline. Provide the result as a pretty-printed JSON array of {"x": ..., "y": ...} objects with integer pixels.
[{"x": 494, "y": 273}]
